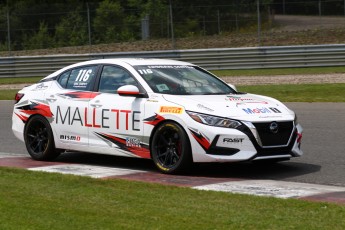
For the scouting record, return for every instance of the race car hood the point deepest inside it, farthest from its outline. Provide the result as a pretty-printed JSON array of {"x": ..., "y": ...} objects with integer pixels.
[{"x": 247, "y": 107}]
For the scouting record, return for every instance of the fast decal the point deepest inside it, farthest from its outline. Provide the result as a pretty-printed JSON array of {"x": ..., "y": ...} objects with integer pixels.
[
  {"x": 98, "y": 118},
  {"x": 33, "y": 108},
  {"x": 201, "y": 139},
  {"x": 129, "y": 144},
  {"x": 171, "y": 109},
  {"x": 261, "y": 110},
  {"x": 232, "y": 140},
  {"x": 79, "y": 95},
  {"x": 154, "y": 120}
]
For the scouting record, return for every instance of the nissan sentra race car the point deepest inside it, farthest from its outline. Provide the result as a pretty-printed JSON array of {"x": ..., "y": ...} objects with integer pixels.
[{"x": 172, "y": 112}]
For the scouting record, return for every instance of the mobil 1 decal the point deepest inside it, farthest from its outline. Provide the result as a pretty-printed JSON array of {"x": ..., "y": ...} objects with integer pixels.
[{"x": 261, "y": 110}]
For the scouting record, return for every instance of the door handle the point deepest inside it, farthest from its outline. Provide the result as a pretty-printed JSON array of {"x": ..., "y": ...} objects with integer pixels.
[{"x": 96, "y": 105}]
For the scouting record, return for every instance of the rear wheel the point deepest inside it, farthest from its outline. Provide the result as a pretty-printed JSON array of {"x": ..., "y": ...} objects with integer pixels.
[
  {"x": 170, "y": 148},
  {"x": 39, "y": 139}
]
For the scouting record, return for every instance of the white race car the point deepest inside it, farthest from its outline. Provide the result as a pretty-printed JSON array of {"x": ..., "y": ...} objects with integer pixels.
[{"x": 172, "y": 112}]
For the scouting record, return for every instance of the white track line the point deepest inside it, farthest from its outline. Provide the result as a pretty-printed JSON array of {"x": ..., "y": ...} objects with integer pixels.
[
  {"x": 86, "y": 170},
  {"x": 272, "y": 188},
  {"x": 281, "y": 189},
  {"x": 9, "y": 155}
]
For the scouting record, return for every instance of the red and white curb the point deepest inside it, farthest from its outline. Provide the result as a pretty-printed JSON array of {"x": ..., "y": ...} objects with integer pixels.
[
  {"x": 280, "y": 189},
  {"x": 272, "y": 188}
]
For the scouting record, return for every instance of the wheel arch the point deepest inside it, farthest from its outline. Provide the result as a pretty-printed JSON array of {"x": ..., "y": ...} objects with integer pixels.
[
  {"x": 184, "y": 128},
  {"x": 36, "y": 115},
  {"x": 57, "y": 150}
]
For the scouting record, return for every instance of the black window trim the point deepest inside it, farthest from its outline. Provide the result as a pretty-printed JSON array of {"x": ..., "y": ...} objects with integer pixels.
[
  {"x": 92, "y": 88},
  {"x": 98, "y": 78}
]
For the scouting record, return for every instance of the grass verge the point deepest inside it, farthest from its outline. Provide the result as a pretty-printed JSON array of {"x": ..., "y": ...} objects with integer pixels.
[
  {"x": 19, "y": 80},
  {"x": 300, "y": 93},
  {"x": 8, "y": 94},
  {"x": 279, "y": 71},
  {"x": 35, "y": 200}
]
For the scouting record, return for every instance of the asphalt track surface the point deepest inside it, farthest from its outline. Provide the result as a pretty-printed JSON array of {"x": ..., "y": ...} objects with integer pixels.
[{"x": 323, "y": 144}]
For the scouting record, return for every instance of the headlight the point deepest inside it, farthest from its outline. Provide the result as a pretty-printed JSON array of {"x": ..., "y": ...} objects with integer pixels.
[{"x": 213, "y": 120}]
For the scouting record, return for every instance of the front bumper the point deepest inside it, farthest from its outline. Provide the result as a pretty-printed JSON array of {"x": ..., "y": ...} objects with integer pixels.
[{"x": 245, "y": 144}]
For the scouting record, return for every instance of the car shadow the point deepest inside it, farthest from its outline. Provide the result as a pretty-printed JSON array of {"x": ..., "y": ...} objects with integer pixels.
[{"x": 244, "y": 170}]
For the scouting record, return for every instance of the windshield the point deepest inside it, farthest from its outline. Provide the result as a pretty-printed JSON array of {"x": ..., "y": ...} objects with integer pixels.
[{"x": 182, "y": 80}]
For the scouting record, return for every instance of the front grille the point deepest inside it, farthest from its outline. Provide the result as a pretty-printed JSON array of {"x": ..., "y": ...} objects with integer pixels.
[
  {"x": 280, "y": 137},
  {"x": 278, "y": 150}
]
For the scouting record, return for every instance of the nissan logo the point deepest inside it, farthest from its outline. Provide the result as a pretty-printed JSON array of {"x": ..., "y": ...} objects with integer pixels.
[{"x": 274, "y": 127}]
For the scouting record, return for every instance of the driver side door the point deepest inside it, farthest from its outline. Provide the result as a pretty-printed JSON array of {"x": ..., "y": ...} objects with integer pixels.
[{"x": 117, "y": 121}]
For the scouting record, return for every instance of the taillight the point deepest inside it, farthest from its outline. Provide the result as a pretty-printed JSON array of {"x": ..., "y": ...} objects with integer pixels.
[{"x": 18, "y": 97}]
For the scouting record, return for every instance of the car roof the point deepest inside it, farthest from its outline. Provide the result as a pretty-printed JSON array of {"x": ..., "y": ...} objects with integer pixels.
[{"x": 122, "y": 61}]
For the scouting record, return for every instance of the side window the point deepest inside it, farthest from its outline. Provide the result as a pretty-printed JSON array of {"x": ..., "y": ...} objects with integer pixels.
[
  {"x": 113, "y": 77},
  {"x": 81, "y": 78},
  {"x": 63, "y": 79}
]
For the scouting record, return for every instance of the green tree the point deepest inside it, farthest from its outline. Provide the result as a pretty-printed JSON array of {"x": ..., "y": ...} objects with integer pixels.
[
  {"x": 108, "y": 22},
  {"x": 39, "y": 40},
  {"x": 72, "y": 30},
  {"x": 157, "y": 10}
]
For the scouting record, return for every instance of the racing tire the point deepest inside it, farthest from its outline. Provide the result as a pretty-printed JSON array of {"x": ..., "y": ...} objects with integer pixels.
[
  {"x": 170, "y": 148},
  {"x": 39, "y": 140}
]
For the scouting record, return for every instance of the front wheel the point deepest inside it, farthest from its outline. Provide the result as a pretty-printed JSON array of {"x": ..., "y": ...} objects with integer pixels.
[
  {"x": 39, "y": 140},
  {"x": 170, "y": 148}
]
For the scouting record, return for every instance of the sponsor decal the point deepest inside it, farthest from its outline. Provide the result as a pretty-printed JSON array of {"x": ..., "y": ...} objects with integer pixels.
[
  {"x": 69, "y": 138},
  {"x": 129, "y": 144},
  {"x": 261, "y": 110},
  {"x": 243, "y": 100},
  {"x": 232, "y": 140},
  {"x": 171, "y": 109},
  {"x": 234, "y": 98},
  {"x": 33, "y": 108},
  {"x": 201, "y": 139},
  {"x": 153, "y": 98},
  {"x": 154, "y": 120},
  {"x": 132, "y": 142},
  {"x": 169, "y": 67},
  {"x": 200, "y": 106},
  {"x": 98, "y": 118},
  {"x": 40, "y": 87}
]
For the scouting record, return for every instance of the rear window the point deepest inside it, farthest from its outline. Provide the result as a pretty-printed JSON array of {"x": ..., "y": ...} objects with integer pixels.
[{"x": 78, "y": 79}]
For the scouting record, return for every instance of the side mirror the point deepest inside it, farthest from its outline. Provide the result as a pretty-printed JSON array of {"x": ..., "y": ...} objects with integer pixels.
[
  {"x": 232, "y": 86},
  {"x": 129, "y": 90}
]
